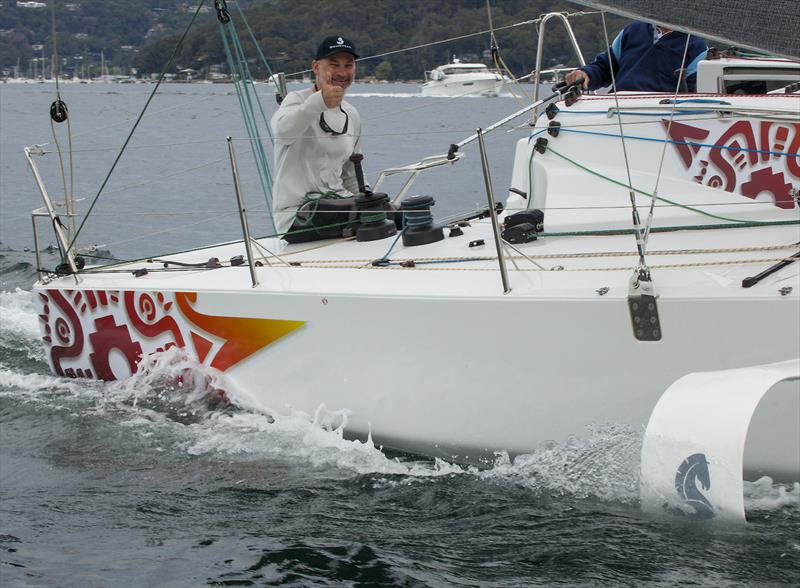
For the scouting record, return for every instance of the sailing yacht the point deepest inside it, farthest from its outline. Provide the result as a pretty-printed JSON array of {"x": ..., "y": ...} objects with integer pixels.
[{"x": 514, "y": 325}]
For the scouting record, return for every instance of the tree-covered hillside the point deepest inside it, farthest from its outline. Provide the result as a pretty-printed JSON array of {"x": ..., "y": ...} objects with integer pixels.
[
  {"x": 141, "y": 34},
  {"x": 288, "y": 32},
  {"x": 86, "y": 28}
]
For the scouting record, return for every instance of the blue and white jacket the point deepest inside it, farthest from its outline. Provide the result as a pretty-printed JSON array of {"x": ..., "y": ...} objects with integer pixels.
[{"x": 645, "y": 65}]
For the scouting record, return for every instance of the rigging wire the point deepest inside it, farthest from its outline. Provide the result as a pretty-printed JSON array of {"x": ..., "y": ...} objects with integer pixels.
[
  {"x": 499, "y": 64},
  {"x": 169, "y": 63},
  {"x": 681, "y": 78},
  {"x": 637, "y": 227},
  {"x": 451, "y": 39},
  {"x": 60, "y": 113}
]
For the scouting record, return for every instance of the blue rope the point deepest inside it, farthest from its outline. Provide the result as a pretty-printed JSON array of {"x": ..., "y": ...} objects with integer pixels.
[
  {"x": 396, "y": 239},
  {"x": 698, "y": 101},
  {"x": 691, "y": 143},
  {"x": 637, "y": 113}
]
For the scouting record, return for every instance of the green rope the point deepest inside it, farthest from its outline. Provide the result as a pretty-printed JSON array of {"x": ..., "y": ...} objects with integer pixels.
[
  {"x": 642, "y": 192},
  {"x": 171, "y": 60},
  {"x": 371, "y": 218},
  {"x": 628, "y": 231},
  {"x": 314, "y": 197},
  {"x": 248, "y": 86},
  {"x": 530, "y": 180},
  {"x": 253, "y": 38}
]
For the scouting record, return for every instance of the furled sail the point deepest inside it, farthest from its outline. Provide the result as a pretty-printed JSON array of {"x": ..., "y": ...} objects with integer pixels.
[{"x": 762, "y": 25}]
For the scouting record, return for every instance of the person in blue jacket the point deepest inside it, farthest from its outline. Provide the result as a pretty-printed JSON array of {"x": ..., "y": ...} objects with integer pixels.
[{"x": 645, "y": 58}]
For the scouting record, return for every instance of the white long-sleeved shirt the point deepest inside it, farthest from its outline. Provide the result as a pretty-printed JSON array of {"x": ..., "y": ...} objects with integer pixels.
[{"x": 309, "y": 159}]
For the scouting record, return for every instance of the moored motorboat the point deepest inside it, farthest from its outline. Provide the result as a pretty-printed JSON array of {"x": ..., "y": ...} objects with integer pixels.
[{"x": 463, "y": 79}]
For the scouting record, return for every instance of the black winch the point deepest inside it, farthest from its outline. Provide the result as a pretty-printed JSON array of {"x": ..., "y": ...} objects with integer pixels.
[
  {"x": 371, "y": 207},
  {"x": 373, "y": 223},
  {"x": 417, "y": 219}
]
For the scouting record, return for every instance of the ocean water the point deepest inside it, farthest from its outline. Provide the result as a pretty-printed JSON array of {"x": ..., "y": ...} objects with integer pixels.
[{"x": 160, "y": 481}]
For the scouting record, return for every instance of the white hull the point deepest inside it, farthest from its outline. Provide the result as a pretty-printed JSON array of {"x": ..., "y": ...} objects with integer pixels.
[
  {"x": 443, "y": 363},
  {"x": 464, "y": 86},
  {"x": 436, "y": 359}
]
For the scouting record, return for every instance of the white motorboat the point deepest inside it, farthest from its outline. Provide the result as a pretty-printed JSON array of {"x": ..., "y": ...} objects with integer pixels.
[
  {"x": 463, "y": 79},
  {"x": 495, "y": 332}
]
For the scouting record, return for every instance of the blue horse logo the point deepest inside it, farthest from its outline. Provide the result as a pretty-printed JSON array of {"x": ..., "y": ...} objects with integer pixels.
[{"x": 693, "y": 469}]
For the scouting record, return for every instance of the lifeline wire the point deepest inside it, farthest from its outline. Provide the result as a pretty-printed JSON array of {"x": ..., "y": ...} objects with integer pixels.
[{"x": 423, "y": 45}]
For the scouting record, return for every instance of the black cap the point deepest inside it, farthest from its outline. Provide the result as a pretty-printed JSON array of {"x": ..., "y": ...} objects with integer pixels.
[{"x": 331, "y": 45}]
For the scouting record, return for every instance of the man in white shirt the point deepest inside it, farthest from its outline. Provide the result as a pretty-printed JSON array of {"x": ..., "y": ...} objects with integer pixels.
[{"x": 316, "y": 131}]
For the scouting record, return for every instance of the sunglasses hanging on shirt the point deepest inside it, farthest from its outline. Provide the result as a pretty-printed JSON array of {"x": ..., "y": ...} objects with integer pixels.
[{"x": 325, "y": 127}]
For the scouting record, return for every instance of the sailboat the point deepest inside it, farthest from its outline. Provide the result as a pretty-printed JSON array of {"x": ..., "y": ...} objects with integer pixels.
[{"x": 526, "y": 320}]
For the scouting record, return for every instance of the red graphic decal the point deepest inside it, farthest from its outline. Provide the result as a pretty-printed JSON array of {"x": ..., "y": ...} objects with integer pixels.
[
  {"x": 729, "y": 162},
  {"x": 65, "y": 332},
  {"x": 683, "y": 133},
  {"x": 720, "y": 157},
  {"x": 243, "y": 336},
  {"x": 765, "y": 128},
  {"x": 108, "y": 337},
  {"x": 765, "y": 180},
  {"x": 143, "y": 317},
  {"x": 793, "y": 163},
  {"x": 123, "y": 327},
  {"x": 202, "y": 346}
]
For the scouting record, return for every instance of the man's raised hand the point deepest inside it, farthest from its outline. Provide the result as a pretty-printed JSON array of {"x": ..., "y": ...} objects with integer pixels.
[{"x": 331, "y": 93}]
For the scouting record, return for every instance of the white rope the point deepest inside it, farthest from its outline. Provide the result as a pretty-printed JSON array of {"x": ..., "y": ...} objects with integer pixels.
[
  {"x": 625, "y": 268},
  {"x": 578, "y": 255}
]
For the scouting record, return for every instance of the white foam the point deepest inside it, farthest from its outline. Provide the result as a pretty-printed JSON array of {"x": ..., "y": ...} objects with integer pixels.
[
  {"x": 27, "y": 383},
  {"x": 48, "y": 390},
  {"x": 19, "y": 324},
  {"x": 765, "y": 495},
  {"x": 175, "y": 398},
  {"x": 296, "y": 437},
  {"x": 603, "y": 464}
]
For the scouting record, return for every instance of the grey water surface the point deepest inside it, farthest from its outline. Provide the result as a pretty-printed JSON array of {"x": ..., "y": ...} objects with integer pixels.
[{"x": 157, "y": 482}]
